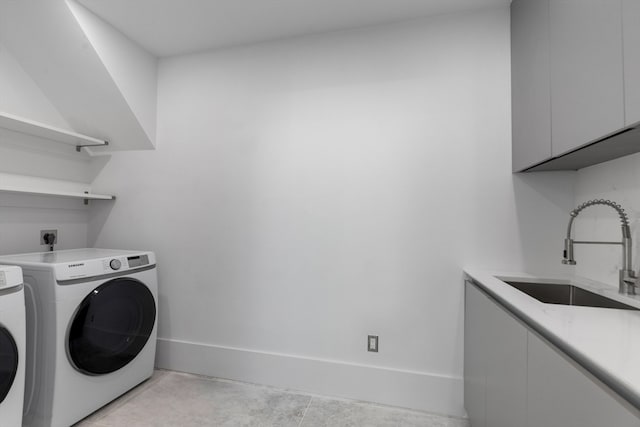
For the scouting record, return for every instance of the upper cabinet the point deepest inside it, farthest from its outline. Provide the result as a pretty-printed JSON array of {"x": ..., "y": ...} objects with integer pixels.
[
  {"x": 587, "y": 99},
  {"x": 531, "y": 100},
  {"x": 575, "y": 82},
  {"x": 631, "y": 27}
]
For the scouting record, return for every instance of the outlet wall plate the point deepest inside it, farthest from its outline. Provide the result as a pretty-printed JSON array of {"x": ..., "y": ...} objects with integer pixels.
[
  {"x": 42, "y": 234},
  {"x": 372, "y": 343}
]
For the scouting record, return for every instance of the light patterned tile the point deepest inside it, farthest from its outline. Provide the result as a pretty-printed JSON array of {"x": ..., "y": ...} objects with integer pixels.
[
  {"x": 323, "y": 412},
  {"x": 185, "y": 400},
  {"x": 102, "y": 412},
  {"x": 192, "y": 401}
]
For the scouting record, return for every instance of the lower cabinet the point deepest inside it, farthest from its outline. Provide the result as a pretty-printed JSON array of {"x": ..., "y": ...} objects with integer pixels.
[
  {"x": 475, "y": 354},
  {"x": 495, "y": 363},
  {"x": 513, "y": 378},
  {"x": 561, "y": 394}
]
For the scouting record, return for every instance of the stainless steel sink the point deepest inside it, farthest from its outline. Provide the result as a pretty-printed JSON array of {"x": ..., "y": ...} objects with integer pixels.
[{"x": 564, "y": 294}]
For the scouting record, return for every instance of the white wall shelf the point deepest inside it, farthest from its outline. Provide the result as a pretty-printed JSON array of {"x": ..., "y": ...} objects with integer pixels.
[
  {"x": 86, "y": 196},
  {"x": 52, "y": 133},
  {"x": 28, "y": 185}
]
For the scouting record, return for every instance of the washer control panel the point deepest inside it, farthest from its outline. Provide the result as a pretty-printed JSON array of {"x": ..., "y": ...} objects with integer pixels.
[
  {"x": 74, "y": 264},
  {"x": 10, "y": 276}
]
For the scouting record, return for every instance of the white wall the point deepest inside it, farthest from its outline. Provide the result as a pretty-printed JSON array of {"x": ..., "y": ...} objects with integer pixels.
[
  {"x": 617, "y": 180},
  {"x": 133, "y": 69},
  {"x": 27, "y": 155},
  {"x": 22, "y": 217},
  {"x": 46, "y": 39},
  {"x": 21, "y": 95},
  {"x": 308, "y": 192}
]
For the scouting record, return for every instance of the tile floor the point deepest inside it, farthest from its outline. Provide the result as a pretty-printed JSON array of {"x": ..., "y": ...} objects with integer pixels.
[{"x": 177, "y": 399}]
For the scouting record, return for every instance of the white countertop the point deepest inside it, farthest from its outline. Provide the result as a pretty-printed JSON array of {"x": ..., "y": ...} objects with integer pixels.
[{"x": 606, "y": 342}]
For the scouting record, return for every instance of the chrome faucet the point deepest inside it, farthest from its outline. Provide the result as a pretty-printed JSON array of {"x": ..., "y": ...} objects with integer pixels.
[{"x": 628, "y": 280}]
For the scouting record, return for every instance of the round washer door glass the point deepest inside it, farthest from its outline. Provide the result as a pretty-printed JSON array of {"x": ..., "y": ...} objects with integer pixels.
[
  {"x": 8, "y": 362},
  {"x": 111, "y": 326}
]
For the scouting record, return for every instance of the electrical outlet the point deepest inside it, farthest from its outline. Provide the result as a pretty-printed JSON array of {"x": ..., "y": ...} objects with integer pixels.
[
  {"x": 45, "y": 234},
  {"x": 372, "y": 343}
]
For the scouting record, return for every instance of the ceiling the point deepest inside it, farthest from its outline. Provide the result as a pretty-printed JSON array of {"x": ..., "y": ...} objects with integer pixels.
[{"x": 172, "y": 27}]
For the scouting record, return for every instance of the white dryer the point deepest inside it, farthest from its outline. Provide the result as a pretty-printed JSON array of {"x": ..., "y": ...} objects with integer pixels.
[
  {"x": 12, "y": 346},
  {"x": 91, "y": 329}
]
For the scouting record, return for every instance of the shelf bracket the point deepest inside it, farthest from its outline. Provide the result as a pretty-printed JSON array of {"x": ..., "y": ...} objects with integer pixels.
[
  {"x": 86, "y": 201},
  {"x": 79, "y": 147}
]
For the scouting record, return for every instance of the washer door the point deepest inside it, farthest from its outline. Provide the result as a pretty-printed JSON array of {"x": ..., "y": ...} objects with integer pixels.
[
  {"x": 111, "y": 326},
  {"x": 8, "y": 362}
]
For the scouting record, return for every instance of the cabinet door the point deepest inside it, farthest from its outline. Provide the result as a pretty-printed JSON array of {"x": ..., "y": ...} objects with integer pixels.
[
  {"x": 495, "y": 358},
  {"x": 505, "y": 394},
  {"x": 475, "y": 354},
  {"x": 631, "y": 28},
  {"x": 530, "y": 86},
  {"x": 559, "y": 394},
  {"x": 586, "y": 71}
]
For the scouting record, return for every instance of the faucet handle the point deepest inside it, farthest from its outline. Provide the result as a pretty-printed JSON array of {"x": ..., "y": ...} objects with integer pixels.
[
  {"x": 628, "y": 282},
  {"x": 567, "y": 254}
]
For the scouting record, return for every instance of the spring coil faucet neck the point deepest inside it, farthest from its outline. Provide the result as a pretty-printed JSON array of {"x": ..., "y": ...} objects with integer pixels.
[{"x": 628, "y": 280}]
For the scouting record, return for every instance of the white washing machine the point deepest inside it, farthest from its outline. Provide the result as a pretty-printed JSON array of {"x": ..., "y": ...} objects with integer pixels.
[
  {"x": 12, "y": 346},
  {"x": 91, "y": 329}
]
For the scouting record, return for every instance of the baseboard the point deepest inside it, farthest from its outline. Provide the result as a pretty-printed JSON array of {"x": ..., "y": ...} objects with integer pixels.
[{"x": 408, "y": 389}]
